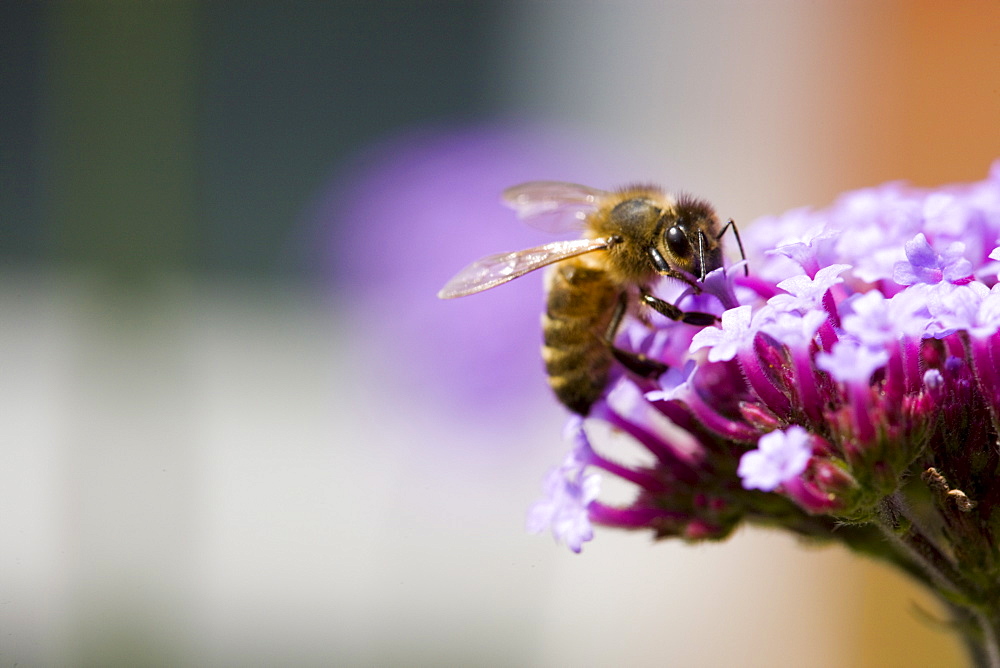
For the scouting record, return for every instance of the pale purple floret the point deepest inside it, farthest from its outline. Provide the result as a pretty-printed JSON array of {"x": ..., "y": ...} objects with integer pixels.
[
  {"x": 968, "y": 217},
  {"x": 909, "y": 311},
  {"x": 779, "y": 457},
  {"x": 870, "y": 319},
  {"x": 805, "y": 293},
  {"x": 792, "y": 329},
  {"x": 874, "y": 223},
  {"x": 960, "y": 307},
  {"x": 725, "y": 341},
  {"x": 972, "y": 308},
  {"x": 933, "y": 379},
  {"x": 563, "y": 509},
  {"x": 673, "y": 383},
  {"x": 851, "y": 362},
  {"x": 568, "y": 491},
  {"x": 987, "y": 320},
  {"x": 924, "y": 265},
  {"x": 797, "y": 240}
]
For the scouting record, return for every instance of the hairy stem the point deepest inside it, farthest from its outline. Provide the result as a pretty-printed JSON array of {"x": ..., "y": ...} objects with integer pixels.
[
  {"x": 958, "y": 592},
  {"x": 991, "y": 637},
  {"x": 907, "y": 536}
]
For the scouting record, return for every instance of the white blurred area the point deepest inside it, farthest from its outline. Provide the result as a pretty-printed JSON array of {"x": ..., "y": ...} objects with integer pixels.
[{"x": 210, "y": 475}]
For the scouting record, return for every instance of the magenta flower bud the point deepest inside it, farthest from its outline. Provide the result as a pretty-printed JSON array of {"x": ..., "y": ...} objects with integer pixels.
[
  {"x": 810, "y": 497},
  {"x": 759, "y": 417},
  {"x": 833, "y": 480}
]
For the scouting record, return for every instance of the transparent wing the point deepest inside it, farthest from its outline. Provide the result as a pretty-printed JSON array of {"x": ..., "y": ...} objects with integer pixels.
[
  {"x": 553, "y": 206},
  {"x": 493, "y": 270}
]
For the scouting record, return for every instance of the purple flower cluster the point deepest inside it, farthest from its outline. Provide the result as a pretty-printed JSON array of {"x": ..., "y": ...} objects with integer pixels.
[{"x": 852, "y": 377}]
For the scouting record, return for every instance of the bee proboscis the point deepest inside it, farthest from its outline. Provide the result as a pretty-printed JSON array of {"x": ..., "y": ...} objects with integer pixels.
[{"x": 631, "y": 237}]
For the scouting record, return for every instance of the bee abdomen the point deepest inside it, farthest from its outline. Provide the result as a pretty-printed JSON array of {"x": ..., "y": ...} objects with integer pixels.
[
  {"x": 578, "y": 376},
  {"x": 577, "y": 358}
]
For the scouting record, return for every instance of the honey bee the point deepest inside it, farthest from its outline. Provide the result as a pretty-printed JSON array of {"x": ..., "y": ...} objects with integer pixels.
[{"x": 631, "y": 237}]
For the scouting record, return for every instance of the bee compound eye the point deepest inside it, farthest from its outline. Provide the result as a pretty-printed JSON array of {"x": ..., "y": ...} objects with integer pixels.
[{"x": 677, "y": 241}]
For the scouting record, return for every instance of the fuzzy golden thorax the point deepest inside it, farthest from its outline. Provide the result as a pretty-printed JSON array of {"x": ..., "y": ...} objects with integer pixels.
[{"x": 655, "y": 234}]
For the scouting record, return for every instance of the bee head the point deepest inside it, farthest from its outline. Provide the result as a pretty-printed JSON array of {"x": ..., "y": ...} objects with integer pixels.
[
  {"x": 654, "y": 234},
  {"x": 687, "y": 239}
]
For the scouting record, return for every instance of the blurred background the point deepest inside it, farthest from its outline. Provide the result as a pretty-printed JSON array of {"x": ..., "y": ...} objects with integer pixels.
[{"x": 237, "y": 427}]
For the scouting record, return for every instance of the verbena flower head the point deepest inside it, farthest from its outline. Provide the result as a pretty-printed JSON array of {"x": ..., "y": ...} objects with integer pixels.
[{"x": 861, "y": 364}]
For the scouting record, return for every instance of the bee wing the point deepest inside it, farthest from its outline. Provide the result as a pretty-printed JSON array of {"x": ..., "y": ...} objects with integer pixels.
[
  {"x": 494, "y": 270},
  {"x": 553, "y": 206}
]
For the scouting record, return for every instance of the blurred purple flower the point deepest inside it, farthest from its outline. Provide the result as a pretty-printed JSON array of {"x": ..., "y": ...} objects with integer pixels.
[
  {"x": 406, "y": 215},
  {"x": 850, "y": 362},
  {"x": 569, "y": 490}
]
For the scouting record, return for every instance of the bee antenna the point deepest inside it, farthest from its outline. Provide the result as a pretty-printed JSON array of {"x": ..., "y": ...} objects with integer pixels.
[
  {"x": 739, "y": 242},
  {"x": 701, "y": 255}
]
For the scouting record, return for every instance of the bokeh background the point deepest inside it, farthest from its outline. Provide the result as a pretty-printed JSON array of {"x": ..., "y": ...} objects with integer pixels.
[{"x": 236, "y": 427}]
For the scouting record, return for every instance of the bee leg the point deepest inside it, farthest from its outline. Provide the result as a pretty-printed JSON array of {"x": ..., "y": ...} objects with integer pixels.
[
  {"x": 669, "y": 310},
  {"x": 663, "y": 269},
  {"x": 637, "y": 363}
]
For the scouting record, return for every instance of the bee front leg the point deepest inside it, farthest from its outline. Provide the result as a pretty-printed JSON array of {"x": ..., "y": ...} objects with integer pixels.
[
  {"x": 637, "y": 363},
  {"x": 669, "y": 310}
]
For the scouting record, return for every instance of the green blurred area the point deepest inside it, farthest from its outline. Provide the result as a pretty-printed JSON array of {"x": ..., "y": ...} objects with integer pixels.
[
  {"x": 120, "y": 119},
  {"x": 144, "y": 137}
]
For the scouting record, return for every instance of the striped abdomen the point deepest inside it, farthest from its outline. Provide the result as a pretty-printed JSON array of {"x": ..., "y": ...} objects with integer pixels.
[{"x": 581, "y": 302}]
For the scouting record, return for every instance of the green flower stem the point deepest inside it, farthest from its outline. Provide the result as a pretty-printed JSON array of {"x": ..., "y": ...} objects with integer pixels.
[
  {"x": 900, "y": 529},
  {"x": 961, "y": 595},
  {"x": 990, "y": 649}
]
